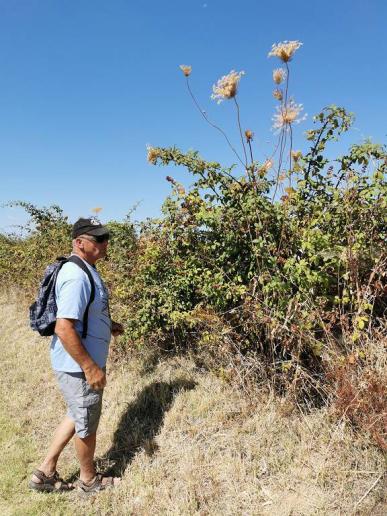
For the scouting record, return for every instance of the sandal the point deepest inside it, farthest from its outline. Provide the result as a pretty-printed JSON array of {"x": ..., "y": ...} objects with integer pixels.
[
  {"x": 97, "y": 484},
  {"x": 49, "y": 484}
]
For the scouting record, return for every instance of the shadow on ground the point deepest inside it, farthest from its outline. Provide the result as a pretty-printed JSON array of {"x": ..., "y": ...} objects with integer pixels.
[{"x": 140, "y": 423}]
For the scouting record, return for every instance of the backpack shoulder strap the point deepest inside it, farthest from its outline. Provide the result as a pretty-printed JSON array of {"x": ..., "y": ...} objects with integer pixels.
[{"x": 78, "y": 261}]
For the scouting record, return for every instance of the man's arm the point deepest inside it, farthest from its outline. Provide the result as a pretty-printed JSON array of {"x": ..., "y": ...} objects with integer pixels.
[{"x": 65, "y": 329}]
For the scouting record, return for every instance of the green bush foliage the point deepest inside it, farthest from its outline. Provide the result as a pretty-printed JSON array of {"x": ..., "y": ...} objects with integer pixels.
[{"x": 280, "y": 274}]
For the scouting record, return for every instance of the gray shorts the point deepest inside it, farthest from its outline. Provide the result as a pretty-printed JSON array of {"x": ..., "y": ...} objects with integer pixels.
[{"x": 84, "y": 403}]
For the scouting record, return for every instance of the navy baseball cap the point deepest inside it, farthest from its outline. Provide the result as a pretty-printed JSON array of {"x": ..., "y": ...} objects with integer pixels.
[{"x": 89, "y": 227}]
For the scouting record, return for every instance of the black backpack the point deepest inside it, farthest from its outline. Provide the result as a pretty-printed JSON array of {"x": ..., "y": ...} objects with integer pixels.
[{"x": 43, "y": 311}]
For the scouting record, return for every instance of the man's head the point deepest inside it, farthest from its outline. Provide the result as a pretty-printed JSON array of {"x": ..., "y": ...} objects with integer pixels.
[{"x": 90, "y": 239}]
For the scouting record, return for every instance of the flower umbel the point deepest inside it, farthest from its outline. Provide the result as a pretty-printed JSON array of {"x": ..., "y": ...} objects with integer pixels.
[
  {"x": 296, "y": 155},
  {"x": 284, "y": 50},
  {"x": 186, "y": 69},
  {"x": 277, "y": 94},
  {"x": 279, "y": 75},
  {"x": 227, "y": 86},
  {"x": 287, "y": 115},
  {"x": 249, "y": 135},
  {"x": 153, "y": 154}
]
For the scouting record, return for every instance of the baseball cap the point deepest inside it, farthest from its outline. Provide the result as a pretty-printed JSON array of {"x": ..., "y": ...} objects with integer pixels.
[{"x": 89, "y": 227}]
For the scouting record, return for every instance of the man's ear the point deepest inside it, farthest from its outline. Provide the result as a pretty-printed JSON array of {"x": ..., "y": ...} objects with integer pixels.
[{"x": 79, "y": 243}]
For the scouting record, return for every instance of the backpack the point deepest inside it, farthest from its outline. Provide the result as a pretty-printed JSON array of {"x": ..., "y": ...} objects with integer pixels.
[{"x": 43, "y": 311}]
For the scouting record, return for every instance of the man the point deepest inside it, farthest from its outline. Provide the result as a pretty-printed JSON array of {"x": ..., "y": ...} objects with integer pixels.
[{"x": 79, "y": 363}]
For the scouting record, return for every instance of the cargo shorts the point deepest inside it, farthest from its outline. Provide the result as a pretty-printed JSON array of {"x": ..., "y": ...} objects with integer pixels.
[{"x": 84, "y": 403}]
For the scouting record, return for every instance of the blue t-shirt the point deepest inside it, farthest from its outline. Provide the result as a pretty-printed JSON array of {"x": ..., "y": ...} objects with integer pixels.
[{"x": 72, "y": 291}]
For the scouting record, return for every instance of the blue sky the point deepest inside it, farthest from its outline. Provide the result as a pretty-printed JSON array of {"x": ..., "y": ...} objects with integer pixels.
[{"x": 85, "y": 85}]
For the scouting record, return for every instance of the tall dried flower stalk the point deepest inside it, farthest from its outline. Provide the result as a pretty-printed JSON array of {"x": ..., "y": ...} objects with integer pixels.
[
  {"x": 288, "y": 113},
  {"x": 187, "y": 71},
  {"x": 225, "y": 89}
]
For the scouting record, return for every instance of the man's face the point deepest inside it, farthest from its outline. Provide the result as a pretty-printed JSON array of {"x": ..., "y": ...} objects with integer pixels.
[{"x": 93, "y": 247}]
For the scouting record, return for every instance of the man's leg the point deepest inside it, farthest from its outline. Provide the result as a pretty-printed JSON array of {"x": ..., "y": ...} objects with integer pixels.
[
  {"x": 62, "y": 436},
  {"x": 85, "y": 448}
]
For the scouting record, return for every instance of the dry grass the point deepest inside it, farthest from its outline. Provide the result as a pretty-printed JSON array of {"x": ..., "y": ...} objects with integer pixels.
[{"x": 186, "y": 443}]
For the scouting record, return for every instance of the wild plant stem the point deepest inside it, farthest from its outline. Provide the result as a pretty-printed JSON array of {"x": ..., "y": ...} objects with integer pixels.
[
  {"x": 290, "y": 155},
  {"x": 212, "y": 124},
  {"x": 240, "y": 130},
  {"x": 287, "y": 84},
  {"x": 282, "y": 147},
  {"x": 284, "y": 104},
  {"x": 314, "y": 149},
  {"x": 251, "y": 151}
]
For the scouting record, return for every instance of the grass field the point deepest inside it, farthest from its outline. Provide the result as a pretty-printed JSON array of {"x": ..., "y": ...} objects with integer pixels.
[{"x": 184, "y": 442}]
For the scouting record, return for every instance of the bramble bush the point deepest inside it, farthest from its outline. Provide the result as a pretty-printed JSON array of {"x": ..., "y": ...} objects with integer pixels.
[
  {"x": 25, "y": 255},
  {"x": 275, "y": 274},
  {"x": 293, "y": 280}
]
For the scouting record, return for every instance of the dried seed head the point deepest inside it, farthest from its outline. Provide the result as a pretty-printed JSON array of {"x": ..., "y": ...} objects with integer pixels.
[
  {"x": 249, "y": 135},
  {"x": 171, "y": 180},
  {"x": 279, "y": 75},
  {"x": 227, "y": 86},
  {"x": 277, "y": 94},
  {"x": 296, "y": 155},
  {"x": 284, "y": 50},
  {"x": 152, "y": 154},
  {"x": 186, "y": 70},
  {"x": 287, "y": 115}
]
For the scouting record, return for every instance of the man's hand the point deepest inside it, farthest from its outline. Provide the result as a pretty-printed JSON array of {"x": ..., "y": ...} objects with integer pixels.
[
  {"x": 95, "y": 377},
  {"x": 117, "y": 329}
]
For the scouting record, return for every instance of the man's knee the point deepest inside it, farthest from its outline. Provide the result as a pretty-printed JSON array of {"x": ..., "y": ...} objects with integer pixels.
[{"x": 90, "y": 438}]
